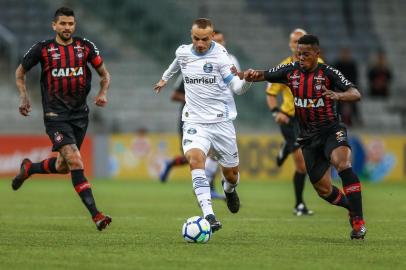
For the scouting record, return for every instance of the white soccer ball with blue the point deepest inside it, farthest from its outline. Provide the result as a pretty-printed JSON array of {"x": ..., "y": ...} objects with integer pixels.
[{"x": 196, "y": 230}]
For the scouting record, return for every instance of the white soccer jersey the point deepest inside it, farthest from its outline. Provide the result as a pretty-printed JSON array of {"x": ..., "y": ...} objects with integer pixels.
[{"x": 206, "y": 77}]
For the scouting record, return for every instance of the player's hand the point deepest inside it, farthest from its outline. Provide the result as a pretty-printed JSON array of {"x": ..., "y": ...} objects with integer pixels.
[
  {"x": 330, "y": 94},
  {"x": 161, "y": 84},
  {"x": 250, "y": 75},
  {"x": 236, "y": 73},
  {"x": 25, "y": 106},
  {"x": 281, "y": 118},
  {"x": 101, "y": 100}
]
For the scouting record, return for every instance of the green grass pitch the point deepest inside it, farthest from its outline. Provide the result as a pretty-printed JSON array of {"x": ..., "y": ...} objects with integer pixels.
[{"x": 45, "y": 226}]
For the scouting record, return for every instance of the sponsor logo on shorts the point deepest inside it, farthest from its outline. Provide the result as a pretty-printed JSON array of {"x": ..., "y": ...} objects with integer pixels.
[
  {"x": 191, "y": 131},
  {"x": 186, "y": 142},
  {"x": 340, "y": 136},
  {"x": 58, "y": 137}
]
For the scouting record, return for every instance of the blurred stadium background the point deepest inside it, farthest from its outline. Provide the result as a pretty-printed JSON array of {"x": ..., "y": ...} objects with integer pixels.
[{"x": 137, "y": 40}]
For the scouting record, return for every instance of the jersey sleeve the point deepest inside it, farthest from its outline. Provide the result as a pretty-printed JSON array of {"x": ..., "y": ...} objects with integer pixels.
[
  {"x": 278, "y": 74},
  {"x": 32, "y": 56},
  {"x": 338, "y": 81},
  {"x": 94, "y": 57},
  {"x": 225, "y": 67}
]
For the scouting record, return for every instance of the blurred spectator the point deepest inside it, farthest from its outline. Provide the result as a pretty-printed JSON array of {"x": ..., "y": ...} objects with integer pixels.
[
  {"x": 348, "y": 66},
  {"x": 379, "y": 76}
]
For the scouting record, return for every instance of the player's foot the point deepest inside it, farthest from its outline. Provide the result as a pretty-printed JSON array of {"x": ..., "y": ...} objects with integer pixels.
[
  {"x": 232, "y": 199},
  {"x": 282, "y": 154},
  {"x": 215, "y": 195},
  {"x": 214, "y": 223},
  {"x": 163, "y": 175},
  {"x": 22, "y": 175},
  {"x": 301, "y": 210},
  {"x": 102, "y": 221},
  {"x": 358, "y": 228}
]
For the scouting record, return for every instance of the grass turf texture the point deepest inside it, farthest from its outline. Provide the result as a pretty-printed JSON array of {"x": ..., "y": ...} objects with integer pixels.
[{"x": 45, "y": 226}]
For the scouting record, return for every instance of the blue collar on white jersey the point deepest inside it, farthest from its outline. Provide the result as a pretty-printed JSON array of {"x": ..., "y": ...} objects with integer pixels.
[{"x": 206, "y": 52}]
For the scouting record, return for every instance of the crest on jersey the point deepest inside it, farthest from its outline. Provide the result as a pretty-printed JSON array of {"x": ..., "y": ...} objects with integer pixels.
[
  {"x": 340, "y": 136},
  {"x": 208, "y": 68}
]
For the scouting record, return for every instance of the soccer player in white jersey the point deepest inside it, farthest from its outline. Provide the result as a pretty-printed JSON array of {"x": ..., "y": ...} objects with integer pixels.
[{"x": 208, "y": 113}]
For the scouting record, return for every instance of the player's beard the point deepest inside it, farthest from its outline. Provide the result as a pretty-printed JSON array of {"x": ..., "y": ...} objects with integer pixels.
[{"x": 65, "y": 36}]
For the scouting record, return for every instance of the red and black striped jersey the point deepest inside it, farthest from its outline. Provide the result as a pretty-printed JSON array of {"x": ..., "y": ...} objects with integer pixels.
[
  {"x": 315, "y": 112},
  {"x": 65, "y": 76}
]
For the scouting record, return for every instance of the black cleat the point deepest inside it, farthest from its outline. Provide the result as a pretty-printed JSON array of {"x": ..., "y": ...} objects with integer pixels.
[
  {"x": 358, "y": 228},
  {"x": 282, "y": 154},
  {"x": 301, "y": 210},
  {"x": 163, "y": 175},
  {"x": 18, "y": 181},
  {"x": 102, "y": 221},
  {"x": 232, "y": 199},
  {"x": 214, "y": 223}
]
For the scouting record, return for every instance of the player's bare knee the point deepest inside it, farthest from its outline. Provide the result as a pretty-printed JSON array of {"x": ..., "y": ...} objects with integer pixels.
[
  {"x": 231, "y": 175},
  {"x": 75, "y": 163},
  {"x": 322, "y": 188},
  {"x": 342, "y": 165}
]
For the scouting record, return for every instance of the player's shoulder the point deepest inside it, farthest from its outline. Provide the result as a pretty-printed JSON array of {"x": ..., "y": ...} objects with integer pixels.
[
  {"x": 287, "y": 66},
  {"x": 184, "y": 49},
  {"x": 38, "y": 46}
]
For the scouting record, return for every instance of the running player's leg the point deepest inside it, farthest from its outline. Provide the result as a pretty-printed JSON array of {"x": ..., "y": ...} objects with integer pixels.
[
  {"x": 318, "y": 168},
  {"x": 211, "y": 168},
  {"x": 196, "y": 144},
  {"x": 225, "y": 145},
  {"x": 341, "y": 160}
]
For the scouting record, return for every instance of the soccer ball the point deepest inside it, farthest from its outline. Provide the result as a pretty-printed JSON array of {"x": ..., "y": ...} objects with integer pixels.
[{"x": 196, "y": 230}]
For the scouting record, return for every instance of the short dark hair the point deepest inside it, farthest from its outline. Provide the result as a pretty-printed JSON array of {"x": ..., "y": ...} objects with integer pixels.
[
  {"x": 63, "y": 11},
  {"x": 216, "y": 31},
  {"x": 202, "y": 23},
  {"x": 309, "y": 40}
]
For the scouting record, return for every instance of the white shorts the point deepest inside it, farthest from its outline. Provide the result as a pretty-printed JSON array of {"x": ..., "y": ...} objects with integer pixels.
[{"x": 218, "y": 136}]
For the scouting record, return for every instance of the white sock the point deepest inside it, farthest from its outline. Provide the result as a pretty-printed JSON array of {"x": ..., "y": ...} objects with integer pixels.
[
  {"x": 228, "y": 187},
  {"x": 210, "y": 169},
  {"x": 202, "y": 190}
]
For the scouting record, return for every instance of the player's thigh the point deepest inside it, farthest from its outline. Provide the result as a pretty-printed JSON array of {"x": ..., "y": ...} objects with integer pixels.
[
  {"x": 316, "y": 163},
  {"x": 60, "y": 133},
  {"x": 195, "y": 136},
  {"x": 224, "y": 142},
  {"x": 324, "y": 185},
  {"x": 337, "y": 149}
]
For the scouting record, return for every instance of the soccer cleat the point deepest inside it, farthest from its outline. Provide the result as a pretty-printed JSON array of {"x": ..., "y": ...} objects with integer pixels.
[
  {"x": 102, "y": 221},
  {"x": 232, "y": 199},
  {"x": 22, "y": 175},
  {"x": 215, "y": 195},
  {"x": 214, "y": 223},
  {"x": 163, "y": 175},
  {"x": 282, "y": 154},
  {"x": 358, "y": 228},
  {"x": 301, "y": 210}
]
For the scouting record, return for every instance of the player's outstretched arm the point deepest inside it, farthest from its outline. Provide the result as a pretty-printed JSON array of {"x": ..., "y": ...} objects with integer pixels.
[
  {"x": 351, "y": 94},
  {"x": 25, "y": 104},
  {"x": 101, "y": 98}
]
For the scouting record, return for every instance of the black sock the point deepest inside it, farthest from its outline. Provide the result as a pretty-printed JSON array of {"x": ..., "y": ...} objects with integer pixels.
[
  {"x": 82, "y": 187},
  {"x": 298, "y": 184},
  {"x": 352, "y": 189},
  {"x": 44, "y": 167},
  {"x": 337, "y": 198}
]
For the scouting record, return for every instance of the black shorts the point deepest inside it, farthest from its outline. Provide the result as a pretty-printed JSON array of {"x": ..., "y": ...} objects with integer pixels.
[
  {"x": 66, "y": 132},
  {"x": 290, "y": 132},
  {"x": 317, "y": 152}
]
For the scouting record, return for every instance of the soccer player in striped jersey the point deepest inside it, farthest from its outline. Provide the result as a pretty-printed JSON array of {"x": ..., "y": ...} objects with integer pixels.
[
  {"x": 316, "y": 88},
  {"x": 284, "y": 115},
  {"x": 208, "y": 113},
  {"x": 65, "y": 84}
]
